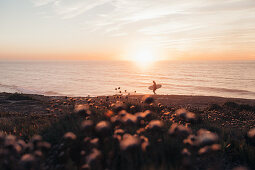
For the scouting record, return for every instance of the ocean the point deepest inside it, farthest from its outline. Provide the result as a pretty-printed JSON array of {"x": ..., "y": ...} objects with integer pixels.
[{"x": 82, "y": 78}]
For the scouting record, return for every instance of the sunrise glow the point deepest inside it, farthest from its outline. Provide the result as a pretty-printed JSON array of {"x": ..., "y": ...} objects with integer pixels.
[
  {"x": 144, "y": 55},
  {"x": 127, "y": 84},
  {"x": 102, "y": 30}
]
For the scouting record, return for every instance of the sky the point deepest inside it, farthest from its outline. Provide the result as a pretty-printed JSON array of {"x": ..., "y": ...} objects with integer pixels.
[{"x": 124, "y": 29}]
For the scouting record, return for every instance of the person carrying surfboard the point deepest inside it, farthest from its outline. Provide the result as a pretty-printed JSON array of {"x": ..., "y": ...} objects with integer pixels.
[{"x": 154, "y": 87}]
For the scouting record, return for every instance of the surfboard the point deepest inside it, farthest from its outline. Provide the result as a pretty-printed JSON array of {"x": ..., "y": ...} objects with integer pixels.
[{"x": 157, "y": 87}]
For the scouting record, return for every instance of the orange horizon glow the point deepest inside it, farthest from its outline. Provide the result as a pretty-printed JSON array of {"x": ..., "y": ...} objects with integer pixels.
[{"x": 139, "y": 56}]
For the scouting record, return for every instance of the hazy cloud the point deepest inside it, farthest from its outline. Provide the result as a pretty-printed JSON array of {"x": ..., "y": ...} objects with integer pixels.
[{"x": 167, "y": 22}]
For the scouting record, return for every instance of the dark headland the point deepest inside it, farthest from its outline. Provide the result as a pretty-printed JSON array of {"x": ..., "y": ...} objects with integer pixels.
[{"x": 126, "y": 132}]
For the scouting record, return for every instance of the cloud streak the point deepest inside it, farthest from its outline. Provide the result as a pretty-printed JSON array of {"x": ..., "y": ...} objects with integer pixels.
[{"x": 167, "y": 22}]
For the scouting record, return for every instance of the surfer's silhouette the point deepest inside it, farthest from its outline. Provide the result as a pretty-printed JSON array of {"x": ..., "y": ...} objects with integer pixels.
[{"x": 154, "y": 87}]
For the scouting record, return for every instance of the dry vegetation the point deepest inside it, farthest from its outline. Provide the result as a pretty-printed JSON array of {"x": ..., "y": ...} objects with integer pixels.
[{"x": 123, "y": 132}]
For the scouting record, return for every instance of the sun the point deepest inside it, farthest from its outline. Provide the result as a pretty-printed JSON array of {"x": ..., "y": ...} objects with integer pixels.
[{"x": 144, "y": 56}]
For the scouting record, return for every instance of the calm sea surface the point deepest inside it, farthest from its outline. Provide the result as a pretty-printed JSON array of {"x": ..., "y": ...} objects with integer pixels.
[{"x": 226, "y": 79}]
